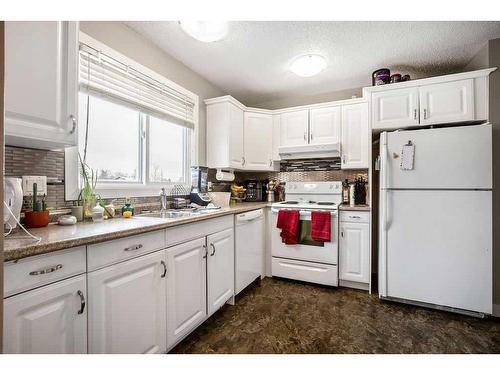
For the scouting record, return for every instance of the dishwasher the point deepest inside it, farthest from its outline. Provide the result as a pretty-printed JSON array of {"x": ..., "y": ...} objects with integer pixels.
[{"x": 249, "y": 248}]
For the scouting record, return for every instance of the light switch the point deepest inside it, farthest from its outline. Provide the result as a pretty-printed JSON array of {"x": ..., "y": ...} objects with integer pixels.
[{"x": 41, "y": 184}]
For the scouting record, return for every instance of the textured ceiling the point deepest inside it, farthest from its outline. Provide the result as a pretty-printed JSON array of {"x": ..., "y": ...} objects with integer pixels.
[{"x": 251, "y": 63}]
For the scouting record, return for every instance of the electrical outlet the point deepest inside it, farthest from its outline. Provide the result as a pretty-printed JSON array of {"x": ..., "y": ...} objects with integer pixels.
[{"x": 41, "y": 184}]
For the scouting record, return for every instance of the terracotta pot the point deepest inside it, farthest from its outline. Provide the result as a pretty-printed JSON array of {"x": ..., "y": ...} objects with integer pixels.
[{"x": 36, "y": 219}]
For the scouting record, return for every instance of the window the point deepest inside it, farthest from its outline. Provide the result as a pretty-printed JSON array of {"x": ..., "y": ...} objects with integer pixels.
[{"x": 136, "y": 128}]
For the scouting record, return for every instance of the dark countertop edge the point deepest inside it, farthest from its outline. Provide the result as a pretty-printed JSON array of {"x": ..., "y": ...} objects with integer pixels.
[{"x": 44, "y": 248}]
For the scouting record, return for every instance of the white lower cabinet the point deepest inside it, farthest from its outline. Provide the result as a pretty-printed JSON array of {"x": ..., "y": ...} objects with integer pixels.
[
  {"x": 127, "y": 309},
  {"x": 48, "y": 320},
  {"x": 220, "y": 266},
  {"x": 186, "y": 289},
  {"x": 354, "y": 250}
]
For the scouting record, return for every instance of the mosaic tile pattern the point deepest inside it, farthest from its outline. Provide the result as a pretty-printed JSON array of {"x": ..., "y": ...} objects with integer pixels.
[{"x": 308, "y": 165}]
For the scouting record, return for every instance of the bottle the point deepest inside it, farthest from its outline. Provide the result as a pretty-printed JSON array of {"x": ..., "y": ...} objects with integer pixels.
[
  {"x": 345, "y": 192},
  {"x": 351, "y": 195},
  {"x": 98, "y": 213},
  {"x": 127, "y": 207}
]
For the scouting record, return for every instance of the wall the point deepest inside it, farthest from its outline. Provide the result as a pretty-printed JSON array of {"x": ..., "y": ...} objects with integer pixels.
[
  {"x": 494, "y": 61},
  {"x": 1, "y": 178},
  {"x": 128, "y": 42},
  {"x": 311, "y": 99}
]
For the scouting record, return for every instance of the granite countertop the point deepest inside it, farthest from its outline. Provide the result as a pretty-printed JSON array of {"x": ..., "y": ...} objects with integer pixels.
[
  {"x": 57, "y": 237},
  {"x": 358, "y": 207}
]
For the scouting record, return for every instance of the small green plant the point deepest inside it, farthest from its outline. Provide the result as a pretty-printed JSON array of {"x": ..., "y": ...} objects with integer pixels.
[{"x": 88, "y": 195}]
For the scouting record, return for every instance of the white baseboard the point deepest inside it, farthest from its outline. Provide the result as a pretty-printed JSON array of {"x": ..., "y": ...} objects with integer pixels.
[{"x": 496, "y": 310}]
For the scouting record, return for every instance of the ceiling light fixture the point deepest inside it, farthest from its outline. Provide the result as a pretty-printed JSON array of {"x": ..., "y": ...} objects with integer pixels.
[
  {"x": 205, "y": 31},
  {"x": 308, "y": 65}
]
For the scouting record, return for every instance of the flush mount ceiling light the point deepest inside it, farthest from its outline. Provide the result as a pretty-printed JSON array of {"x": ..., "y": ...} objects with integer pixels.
[
  {"x": 205, "y": 31},
  {"x": 308, "y": 65}
]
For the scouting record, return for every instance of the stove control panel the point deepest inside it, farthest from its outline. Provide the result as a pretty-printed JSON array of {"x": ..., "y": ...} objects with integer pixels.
[{"x": 322, "y": 187}]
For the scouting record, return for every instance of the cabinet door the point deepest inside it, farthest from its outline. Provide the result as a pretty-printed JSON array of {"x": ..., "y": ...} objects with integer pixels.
[
  {"x": 294, "y": 128},
  {"x": 394, "y": 109},
  {"x": 354, "y": 256},
  {"x": 47, "y": 320},
  {"x": 355, "y": 136},
  {"x": 447, "y": 102},
  {"x": 41, "y": 83},
  {"x": 258, "y": 136},
  {"x": 236, "y": 133},
  {"x": 325, "y": 125},
  {"x": 127, "y": 307},
  {"x": 186, "y": 289},
  {"x": 220, "y": 265},
  {"x": 276, "y": 137}
]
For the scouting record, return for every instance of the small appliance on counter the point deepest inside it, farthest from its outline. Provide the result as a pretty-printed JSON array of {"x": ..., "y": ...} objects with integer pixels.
[
  {"x": 254, "y": 191},
  {"x": 13, "y": 199},
  {"x": 199, "y": 186}
]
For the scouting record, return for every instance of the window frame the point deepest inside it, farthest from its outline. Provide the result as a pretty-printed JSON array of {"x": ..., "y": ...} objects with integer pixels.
[{"x": 144, "y": 187}]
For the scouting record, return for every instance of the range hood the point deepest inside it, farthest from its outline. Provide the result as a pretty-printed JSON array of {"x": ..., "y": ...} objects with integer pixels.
[{"x": 330, "y": 150}]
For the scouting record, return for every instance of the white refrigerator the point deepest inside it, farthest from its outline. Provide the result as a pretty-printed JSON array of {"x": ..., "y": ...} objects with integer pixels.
[{"x": 435, "y": 224}]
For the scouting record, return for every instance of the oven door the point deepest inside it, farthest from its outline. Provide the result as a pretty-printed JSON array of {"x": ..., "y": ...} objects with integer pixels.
[{"x": 307, "y": 249}]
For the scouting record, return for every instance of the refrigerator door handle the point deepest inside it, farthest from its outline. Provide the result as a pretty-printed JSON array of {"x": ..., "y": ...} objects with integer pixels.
[{"x": 383, "y": 222}]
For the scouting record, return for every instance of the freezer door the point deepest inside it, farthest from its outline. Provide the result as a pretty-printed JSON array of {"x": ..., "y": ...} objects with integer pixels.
[
  {"x": 445, "y": 158},
  {"x": 439, "y": 248}
]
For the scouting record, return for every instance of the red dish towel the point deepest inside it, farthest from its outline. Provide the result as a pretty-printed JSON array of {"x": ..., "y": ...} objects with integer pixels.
[
  {"x": 321, "y": 226},
  {"x": 288, "y": 222}
]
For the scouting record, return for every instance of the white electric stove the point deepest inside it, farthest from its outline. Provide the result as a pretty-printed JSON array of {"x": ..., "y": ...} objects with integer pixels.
[{"x": 308, "y": 260}]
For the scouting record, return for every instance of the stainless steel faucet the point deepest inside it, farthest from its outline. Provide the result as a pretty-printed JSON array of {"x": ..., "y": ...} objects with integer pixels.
[{"x": 163, "y": 199}]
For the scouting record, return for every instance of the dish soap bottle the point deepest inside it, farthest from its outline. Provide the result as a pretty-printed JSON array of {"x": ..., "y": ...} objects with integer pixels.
[
  {"x": 98, "y": 213},
  {"x": 127, "y": 207}
]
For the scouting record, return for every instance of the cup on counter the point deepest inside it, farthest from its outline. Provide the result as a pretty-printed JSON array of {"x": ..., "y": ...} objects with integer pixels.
[{"x": 77, "y": 211}]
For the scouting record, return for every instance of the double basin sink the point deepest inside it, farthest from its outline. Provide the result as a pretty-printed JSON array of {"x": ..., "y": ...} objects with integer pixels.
[{"x": 178, "y": 214}]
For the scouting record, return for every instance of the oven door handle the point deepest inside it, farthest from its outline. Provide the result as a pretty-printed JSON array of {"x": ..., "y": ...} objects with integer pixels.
[{"x": 305, "y": 212}]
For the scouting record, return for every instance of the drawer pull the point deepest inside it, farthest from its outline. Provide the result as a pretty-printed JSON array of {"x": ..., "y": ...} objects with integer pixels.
[
  {"x": 46, "y": 270},
  {"x": 213, "y": 249},
  {"x": 355, "y": 217},
  {"x": 164, "y": 269},
  {"x": 132, "y": 248},
  {"x": 82, "y": 302},
  {"x": 205, "y": 251}
]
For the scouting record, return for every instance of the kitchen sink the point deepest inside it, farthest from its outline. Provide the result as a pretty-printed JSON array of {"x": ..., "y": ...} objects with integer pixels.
[{"x": 177, "y": 214}]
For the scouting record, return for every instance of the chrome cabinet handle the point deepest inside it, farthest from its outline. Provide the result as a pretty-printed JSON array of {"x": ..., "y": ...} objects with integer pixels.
[
  {"x": 73, "y": 122},
  {"x": 270, "y": 162},
  {"x": 311, "y": 136},
  {"x": 164, "y": 269},
  {"x": 355, "y": 217},
  {"x": 213, "y": 249},
  {"x": 305, "y": 136},
  {"x": 132, "y": 248},
  {"x": 206, "y": 251},
  {"x": 415, "y": 114},
  {"x": 82, "y": 302},
  {"x": 425, "y": 114},
  {"x": 342, "y": 234},
  {"x": 343, "y": 159},
  {"x": 242, "y": 160},
  {"x": 46, "y": 270}
]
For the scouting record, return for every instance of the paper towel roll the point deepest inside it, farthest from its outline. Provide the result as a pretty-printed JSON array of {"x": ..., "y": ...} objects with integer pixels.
[{"x": 224, "y": 175}]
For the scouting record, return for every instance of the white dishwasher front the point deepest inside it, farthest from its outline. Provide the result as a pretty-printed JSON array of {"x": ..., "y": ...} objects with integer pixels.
[{"x": 249, "y": 249}]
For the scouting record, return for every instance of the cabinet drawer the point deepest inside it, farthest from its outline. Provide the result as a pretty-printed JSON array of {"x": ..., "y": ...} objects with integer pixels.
[
  {"x": 187, "y": 232},
  {"x": 36, "y": 271},
  {"x": 355, "y": 216},
  {"x": 318, "y": 273},
  {"x": 110, "y": 252}
]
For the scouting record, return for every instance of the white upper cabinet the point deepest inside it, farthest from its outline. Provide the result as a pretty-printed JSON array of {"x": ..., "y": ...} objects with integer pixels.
[
  {"x": 224, "y": 135},
  {"x": 41, "y": 84},
  {"x": 258, "y": 141},
  {"x": 454, "y": 98},
  {"x": 294, "y": 128},
  {"x": 447, "y": 102},
  {"x": 186, "y": 289},
  {"x": 276, "y": 137},
  {"x": 220, "y": 265},
  {"x": 394, "y": 109},
  {"x": 325, "y": 125},
  {"x": 127, "y": 309},
  {"x": 355, "y": 136},
  {"x": 48, "y": 320}
]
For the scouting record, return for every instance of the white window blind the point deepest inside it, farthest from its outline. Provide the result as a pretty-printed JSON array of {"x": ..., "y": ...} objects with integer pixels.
[{"x": 105, "y": 76}]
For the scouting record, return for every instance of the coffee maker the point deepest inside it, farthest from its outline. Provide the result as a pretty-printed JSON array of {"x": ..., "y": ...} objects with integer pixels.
[{"x": 199, "y": 186}]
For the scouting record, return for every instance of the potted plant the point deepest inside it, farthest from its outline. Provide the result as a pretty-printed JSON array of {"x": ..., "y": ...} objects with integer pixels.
[
  {"x": 39, "y": 216},
  {"x": 88, "y": 195}
]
